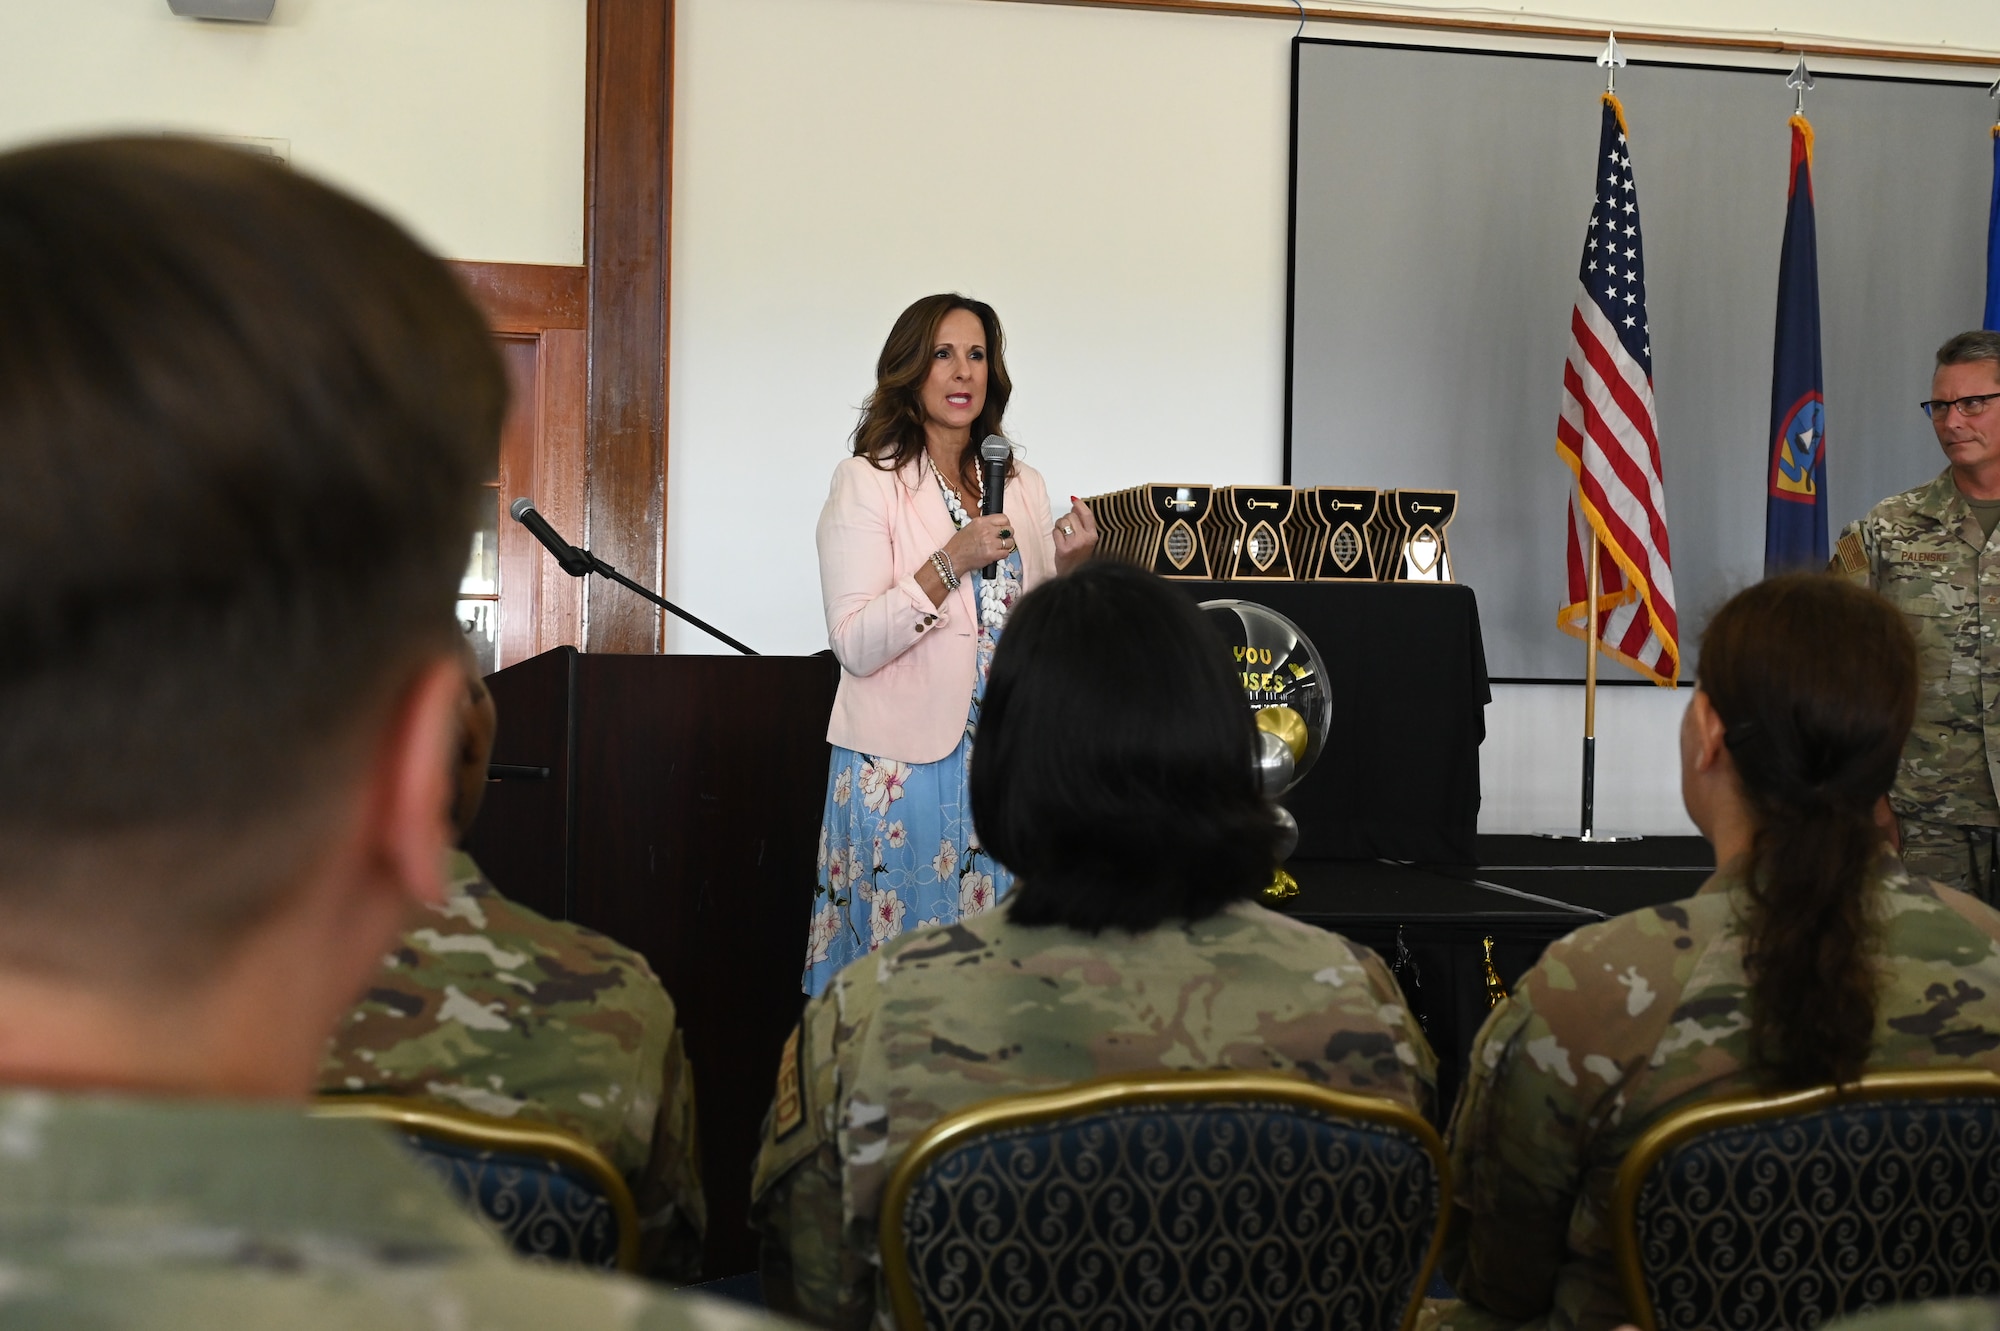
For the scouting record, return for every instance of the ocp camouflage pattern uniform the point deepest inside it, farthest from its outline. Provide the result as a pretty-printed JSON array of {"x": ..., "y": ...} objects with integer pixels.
[
  {"x": 186, "y": 1215},
  {"x": 491, "y": 1007},
  {"x": 1623, "y": 1021},
  {"x": 1933, "y": 1315},
  {"x": 947, "y": 1016},
  {"x": 1924, "y": 550}
]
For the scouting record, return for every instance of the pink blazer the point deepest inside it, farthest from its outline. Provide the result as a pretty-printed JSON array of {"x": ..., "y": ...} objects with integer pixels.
[{"x": 907, "y": 667}]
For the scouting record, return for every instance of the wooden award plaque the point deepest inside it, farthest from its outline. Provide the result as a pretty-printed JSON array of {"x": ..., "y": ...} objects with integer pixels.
[
  {"x": 1419, "y": 553},
  {"x": 1343, "y": 552},
  {"x": 1157, "y": 527},
  {"x": 1245, "y": 533}
]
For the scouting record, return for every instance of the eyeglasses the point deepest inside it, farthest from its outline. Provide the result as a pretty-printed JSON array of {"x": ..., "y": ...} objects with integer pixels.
[{"x": 1940, "y": 407}]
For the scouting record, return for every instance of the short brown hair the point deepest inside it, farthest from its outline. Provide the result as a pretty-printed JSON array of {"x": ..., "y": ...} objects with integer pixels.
[
  {"x": 1977, "y": 344},
  {"x": 243, "y": 418},
  {"x": 891, "y": 431}
]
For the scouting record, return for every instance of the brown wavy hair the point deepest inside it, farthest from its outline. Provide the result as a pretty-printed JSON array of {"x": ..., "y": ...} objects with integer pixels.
[
  {"x": 1815, "y": 681},
  {"x": 891, "y": 431}
]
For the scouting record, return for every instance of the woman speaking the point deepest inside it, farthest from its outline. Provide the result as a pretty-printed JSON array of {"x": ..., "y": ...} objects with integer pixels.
[{"x": 913, "y": 621}]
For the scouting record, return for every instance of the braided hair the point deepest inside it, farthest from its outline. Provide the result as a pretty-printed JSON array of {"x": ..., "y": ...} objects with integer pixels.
[{"x": 1815, "y": 682}]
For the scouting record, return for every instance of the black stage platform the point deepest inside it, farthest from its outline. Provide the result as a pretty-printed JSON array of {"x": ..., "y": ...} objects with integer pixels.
[{"x": 1430, "y": 922}]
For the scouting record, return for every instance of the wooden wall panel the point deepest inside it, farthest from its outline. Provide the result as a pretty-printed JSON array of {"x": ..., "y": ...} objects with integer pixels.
[
  {"x": 627, "y": 185},
  {"x": 520, "y": 553},
  {"x": 559, "y": 480},
  {"x": 526, "y": 297}
]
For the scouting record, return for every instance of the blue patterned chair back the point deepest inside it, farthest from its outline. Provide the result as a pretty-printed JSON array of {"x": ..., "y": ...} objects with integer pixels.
[
  {"x": 550, "y": 1193},
  {"x": 1240, "y": 1200},
  {"x": 1785, "y": 1211}
]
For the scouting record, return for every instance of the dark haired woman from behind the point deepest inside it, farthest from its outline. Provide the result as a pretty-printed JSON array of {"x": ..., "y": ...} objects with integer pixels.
[
  {"x": 1113, "y": 776},
  {"x": 1808, "y": 958},
  {"x": 913, "y": 620}
]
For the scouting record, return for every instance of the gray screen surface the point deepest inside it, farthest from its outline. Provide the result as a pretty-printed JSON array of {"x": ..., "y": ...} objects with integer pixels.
[{"x": 1441, "y": 198}]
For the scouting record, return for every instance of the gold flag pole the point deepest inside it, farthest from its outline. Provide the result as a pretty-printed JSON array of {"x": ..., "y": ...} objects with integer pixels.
[
  {"x": 1590, "y": 704},
  {"x": 1609, "y": 62}
]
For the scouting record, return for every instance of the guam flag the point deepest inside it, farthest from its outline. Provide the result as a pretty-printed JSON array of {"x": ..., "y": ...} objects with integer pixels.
[{"x": 1795, "y": 512}]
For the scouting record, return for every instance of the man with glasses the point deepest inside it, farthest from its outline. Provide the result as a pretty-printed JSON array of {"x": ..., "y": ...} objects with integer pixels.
[{"x": 1930, "y": 550}]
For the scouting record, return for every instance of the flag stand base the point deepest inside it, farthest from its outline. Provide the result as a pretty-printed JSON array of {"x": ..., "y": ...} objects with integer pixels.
[{"x": 1587, "y": 833}]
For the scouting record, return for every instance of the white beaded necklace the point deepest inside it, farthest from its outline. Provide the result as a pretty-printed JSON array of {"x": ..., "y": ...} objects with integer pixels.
[{"x": 992, "y": 591}]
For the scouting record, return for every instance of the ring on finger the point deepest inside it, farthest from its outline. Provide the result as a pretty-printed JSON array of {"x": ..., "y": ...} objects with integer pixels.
[{"x": 1066, "y": 530}]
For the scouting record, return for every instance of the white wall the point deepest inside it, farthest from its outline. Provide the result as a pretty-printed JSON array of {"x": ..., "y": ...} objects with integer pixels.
[
  {"x": 1115, "y": 183},
  {"x": 461, "y": 118},
  {"x": 1105, "y": 183}
]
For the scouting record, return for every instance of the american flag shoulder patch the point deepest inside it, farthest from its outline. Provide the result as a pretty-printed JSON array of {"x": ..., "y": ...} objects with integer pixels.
[{"x": 1850, "y": 555}]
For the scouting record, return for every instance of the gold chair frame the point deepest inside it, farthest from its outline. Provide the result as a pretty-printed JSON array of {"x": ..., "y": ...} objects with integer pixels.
[
  {"x": 1140, "y": 1088},
  {"x": 482, "y": 1132},
  {"x": 1755, "y": 1107}
]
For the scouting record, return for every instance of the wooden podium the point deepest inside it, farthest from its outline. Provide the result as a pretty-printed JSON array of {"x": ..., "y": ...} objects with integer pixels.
[{"x": 679, "y": 815}]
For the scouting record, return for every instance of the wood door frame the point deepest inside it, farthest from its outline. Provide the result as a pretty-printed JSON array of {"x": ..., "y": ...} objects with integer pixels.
[
  {"x": 627, "y": 229},
  {"x": 542, "y": 452}
]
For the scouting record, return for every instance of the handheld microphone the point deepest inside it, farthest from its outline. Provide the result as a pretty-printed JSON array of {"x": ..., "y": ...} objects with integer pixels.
[
  {"x": 571, "y": 560},
  {"x": 994, "y": 455}
]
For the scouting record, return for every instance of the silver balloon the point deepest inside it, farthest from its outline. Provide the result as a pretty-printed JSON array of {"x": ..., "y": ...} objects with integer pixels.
[
  {"x": 1275, "y": 764},
  {"x": 1288, "y": 839}
]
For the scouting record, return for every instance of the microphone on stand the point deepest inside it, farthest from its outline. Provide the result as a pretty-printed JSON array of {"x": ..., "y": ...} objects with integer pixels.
[
  {"x": 994, "y": 455},
  {"x": 572, "y": 560}
]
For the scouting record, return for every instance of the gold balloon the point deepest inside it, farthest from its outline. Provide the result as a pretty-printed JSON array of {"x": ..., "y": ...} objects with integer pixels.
[
  {"x": 1288, "y": 726},
  {"x": 1283, "y": 886},
  {"x": 1496, "y": 988}
]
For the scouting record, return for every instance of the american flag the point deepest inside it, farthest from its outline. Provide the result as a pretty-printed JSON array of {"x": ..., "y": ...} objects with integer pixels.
[{"x": 1609, "y": 436}]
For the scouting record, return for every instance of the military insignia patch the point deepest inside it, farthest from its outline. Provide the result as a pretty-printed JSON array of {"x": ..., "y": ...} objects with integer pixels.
[
  {"x": 789, "y": 1109},
  {"x": 1853, "y": 558}
]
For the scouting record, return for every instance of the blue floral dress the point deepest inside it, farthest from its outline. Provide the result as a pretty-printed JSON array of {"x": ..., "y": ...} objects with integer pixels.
[{"x": 896, "y": 845}]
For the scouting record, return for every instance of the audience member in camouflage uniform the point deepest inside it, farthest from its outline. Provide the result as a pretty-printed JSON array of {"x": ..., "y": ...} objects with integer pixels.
[
  {"x": 254, "y": 415},
  {"x": 190, "y": 1216},
  {"x": 1113, "y": 773},
  {"x": 488, "y": 1006},
  {"x": 1930, "y": 551},
  {"x": 1934, "y": 1315},
  {"x": 1785, "y": 750}
]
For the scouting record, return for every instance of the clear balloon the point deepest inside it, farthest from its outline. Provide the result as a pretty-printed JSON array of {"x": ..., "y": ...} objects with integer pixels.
[{"x": 1282, "y": 675}]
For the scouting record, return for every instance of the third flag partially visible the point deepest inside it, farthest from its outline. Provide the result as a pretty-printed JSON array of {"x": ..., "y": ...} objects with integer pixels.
[{"x": 1992, "y": 320}]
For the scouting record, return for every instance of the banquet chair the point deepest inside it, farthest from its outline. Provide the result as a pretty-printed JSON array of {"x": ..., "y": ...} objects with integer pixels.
[
  {"x": 1789, "y": 1209},
  {"x": 552, "y": 1195},
  {"x": 1244, "y": 1200}
]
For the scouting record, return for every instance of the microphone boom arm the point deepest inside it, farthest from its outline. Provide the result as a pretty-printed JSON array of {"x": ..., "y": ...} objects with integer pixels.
[{"x": 584, "y": 563}]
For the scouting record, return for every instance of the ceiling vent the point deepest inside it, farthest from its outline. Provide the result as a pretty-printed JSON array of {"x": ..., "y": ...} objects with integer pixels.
[{"x": 236, "y": 11}]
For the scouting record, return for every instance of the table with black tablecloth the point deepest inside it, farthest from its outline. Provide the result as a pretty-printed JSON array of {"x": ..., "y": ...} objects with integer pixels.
[{"x": 1406, "y": 673}]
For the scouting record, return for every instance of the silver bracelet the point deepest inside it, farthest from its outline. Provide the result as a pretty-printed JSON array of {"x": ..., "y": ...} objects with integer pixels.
[{"x": 943, "y": 566}]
